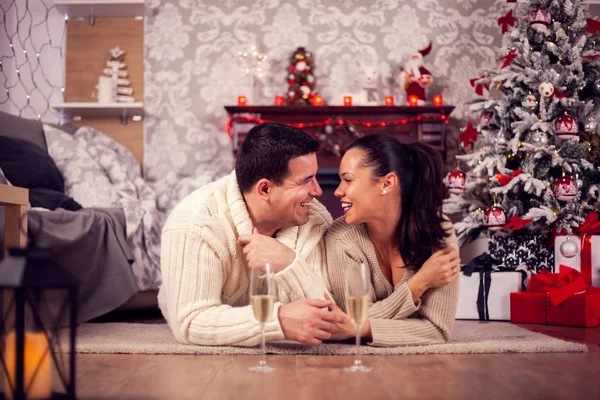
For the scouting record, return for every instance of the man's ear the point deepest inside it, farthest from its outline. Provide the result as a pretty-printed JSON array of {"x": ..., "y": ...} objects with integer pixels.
[{"x": 263, "y": 188}]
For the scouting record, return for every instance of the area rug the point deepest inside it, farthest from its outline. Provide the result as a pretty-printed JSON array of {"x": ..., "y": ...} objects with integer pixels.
[{"x": 469, "y": 337}]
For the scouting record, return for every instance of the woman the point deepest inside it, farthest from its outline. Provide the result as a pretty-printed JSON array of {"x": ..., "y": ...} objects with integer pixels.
[{"x": 391, "y": 196}]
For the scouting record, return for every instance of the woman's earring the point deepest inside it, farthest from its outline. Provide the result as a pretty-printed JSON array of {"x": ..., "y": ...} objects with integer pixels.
[{"x": 384, "y": 191}]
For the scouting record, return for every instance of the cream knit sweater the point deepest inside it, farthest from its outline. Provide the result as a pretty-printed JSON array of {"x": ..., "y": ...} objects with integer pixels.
[
  {"x": 205, "y": 291},
  {"x": 395, "y": 319}
]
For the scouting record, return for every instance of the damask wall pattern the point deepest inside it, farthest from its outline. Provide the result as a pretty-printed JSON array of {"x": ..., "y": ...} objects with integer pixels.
[{"x": 192, "y": 69}]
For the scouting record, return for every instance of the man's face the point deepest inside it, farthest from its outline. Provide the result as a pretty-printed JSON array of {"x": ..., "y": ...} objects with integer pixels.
[{"x": 290, "y": 202}]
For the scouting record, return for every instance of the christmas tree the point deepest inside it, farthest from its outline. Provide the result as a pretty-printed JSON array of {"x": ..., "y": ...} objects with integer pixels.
[
  {"x": 534, "y": 158},
  {"x": 301, "y": 80},
  {"x": 116, "y": 70}
]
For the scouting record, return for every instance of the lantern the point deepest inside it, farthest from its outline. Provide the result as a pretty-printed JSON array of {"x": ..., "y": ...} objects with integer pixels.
[{"x": 39, "y": 304}]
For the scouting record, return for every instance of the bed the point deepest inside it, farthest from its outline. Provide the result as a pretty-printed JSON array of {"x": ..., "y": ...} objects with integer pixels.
[{"x": 102, "y": 224}]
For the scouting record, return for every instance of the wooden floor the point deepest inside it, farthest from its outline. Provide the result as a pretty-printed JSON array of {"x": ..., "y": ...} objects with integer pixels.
[{"x": 488, "y": 376}]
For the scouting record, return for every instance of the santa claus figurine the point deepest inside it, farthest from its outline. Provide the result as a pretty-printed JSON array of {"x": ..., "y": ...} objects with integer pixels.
[{"x": 416, "y": 77}]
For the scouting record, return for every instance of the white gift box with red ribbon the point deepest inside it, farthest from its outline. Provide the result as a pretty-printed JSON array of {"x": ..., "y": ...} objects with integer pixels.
[{"x": 587, "y": 259}]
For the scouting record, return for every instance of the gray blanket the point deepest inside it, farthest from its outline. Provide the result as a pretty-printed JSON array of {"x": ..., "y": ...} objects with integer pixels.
[{"x": 91, "y": 244}]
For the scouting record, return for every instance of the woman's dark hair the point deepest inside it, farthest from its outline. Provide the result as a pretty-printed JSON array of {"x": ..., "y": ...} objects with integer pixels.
[
  {"x": 266, "y": 152},
  {"x": 419, "y": 232}
]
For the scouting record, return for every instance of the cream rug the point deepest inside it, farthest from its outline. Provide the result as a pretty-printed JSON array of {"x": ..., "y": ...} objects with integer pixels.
[{"x": 469, "y": 337}]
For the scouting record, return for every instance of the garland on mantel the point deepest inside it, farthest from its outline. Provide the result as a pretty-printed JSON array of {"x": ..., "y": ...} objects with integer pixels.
[{"x": 337, "y": 131}]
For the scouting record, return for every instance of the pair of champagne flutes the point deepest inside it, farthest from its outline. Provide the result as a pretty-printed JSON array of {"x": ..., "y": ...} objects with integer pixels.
[{"x": 263, "y": 295}]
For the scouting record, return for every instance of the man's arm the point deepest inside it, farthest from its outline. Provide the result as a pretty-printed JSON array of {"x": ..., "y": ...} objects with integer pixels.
[{"x": 193, "y": 279}]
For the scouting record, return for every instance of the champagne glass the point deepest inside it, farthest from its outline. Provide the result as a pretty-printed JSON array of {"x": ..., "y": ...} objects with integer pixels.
[
  {"x": 262, "y": 297},
  {"x": 357, "y": 304}
]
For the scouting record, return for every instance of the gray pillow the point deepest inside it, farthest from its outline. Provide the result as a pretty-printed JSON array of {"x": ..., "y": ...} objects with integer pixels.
[{"x": 20, "y": 128}]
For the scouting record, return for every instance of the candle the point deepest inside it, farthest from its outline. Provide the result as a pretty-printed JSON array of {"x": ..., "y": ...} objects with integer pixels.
[
  {"x": 279, "y": 101},
  {"x": 317, "y": 100},
  {"x": 389, "y": 100},
  {"x": 438, "y": 100},
  {"x": 347, "y": 100},
  {"x": 413, "y": 100},
  {"x": 241, "y": 100},
  {"x": 37, "y": 360}
]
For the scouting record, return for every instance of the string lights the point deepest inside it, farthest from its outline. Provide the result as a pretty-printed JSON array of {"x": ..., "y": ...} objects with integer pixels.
[
  {"x": 340, "y": 122},
  {"x": 29, "y": 88}
]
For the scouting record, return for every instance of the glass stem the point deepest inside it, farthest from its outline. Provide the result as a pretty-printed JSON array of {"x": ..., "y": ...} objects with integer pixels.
[
  {"x": 357, "y": 361},
  {"x": 262, "y": 343}
]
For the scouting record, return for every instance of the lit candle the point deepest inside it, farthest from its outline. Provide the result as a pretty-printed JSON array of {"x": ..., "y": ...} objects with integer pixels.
[
  {"x": 36, "y": 354},
  {"x": 317, "y": 100},
  {"x": 438, "y": 100},
  {"x": 389, "y": 100},
  {"x": 347, "y": 100},
  {"x": 279, "y": 101},
  {"x": 413, "y": 100},
  {"x": 241, "y": 100}
]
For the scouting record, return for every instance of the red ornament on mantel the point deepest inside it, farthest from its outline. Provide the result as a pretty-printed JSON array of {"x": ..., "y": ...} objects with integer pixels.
[
  {"x": 456, "y": 181},
  {"x": 413, "y": 100},
  {"x": 317, "y": 100},
  {"x": 566, "y": 126},
  {"x": 347, "y": 100},
  {"x": 242, "y": 100},
  {"x": 565, "y": 188},
  {"x": 494, "y": 218}
]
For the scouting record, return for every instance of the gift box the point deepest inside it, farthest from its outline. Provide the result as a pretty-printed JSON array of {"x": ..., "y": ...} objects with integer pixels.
[
  {"x": 532, "y": 251},
  {"x": 484, "y": 292},
  {"x": 587, "y": 259},
  {"x": 557, "y": 299}
]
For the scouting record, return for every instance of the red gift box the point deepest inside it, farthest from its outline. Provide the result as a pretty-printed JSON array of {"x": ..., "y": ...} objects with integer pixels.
[{"x": 557, "y": 299}]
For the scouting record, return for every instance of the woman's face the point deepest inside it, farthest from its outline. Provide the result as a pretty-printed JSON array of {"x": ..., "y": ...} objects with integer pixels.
[{"x": 359, "y": 191}]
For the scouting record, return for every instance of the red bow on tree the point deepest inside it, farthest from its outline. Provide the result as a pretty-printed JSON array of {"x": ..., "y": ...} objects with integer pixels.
[
  {"x": 467, "y": 135},
  {"x": 516, "y": 223},
  {"x": 591, "y": 225},
  {"x": 505, "y": 21},
  {"x": 509, "y": 58},
  {"x": 593, "y": 26},
  {"x": 505, "y": 180},
  {"x": 479, "y": 86}
]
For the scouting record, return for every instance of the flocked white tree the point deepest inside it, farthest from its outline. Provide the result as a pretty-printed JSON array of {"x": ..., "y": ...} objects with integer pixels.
[{"x": 535, "y": 165}]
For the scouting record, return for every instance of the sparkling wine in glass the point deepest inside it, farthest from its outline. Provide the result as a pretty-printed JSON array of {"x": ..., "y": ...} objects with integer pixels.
[
  {"x": 357, "y": 305},
  {"x": 262, "y": 298}
]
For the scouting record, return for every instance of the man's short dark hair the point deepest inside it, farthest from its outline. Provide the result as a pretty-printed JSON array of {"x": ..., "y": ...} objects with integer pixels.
[{"x": 266, "y": 152}]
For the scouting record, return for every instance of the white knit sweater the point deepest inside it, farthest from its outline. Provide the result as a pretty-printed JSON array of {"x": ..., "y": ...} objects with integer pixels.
[{"x": 205, "y": 292}]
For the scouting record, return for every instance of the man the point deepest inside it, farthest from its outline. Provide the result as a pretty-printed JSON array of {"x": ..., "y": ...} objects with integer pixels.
[{"x": 264, "y": 211}]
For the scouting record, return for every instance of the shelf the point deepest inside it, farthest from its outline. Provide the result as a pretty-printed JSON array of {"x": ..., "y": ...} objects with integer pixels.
[
  {"x": 328, "y": 110},
  {"x": 101, "y": 8},
  {"x": 95, "y": 110}
]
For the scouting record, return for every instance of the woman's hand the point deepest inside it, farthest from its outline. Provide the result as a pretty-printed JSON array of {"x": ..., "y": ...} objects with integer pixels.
[
  {"x": 344, "y": 330},
  {"x": 440, "y": 269}
]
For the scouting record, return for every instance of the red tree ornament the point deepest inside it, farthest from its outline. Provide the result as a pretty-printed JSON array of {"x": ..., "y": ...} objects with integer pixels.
[
  {"x": 456, "y": 181},
  {"x": 540, "y": 19},
  {"x": 494, "y": 218},
  {"x": 565, "y": 188},
  {"x": 566, "y": 126}
]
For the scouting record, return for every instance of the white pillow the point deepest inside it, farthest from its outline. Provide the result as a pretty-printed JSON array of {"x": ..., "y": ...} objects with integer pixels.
[{"x": 85, "y": 180}]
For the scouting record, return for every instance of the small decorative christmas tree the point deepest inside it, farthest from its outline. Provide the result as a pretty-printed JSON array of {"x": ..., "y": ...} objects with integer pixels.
[
  {"x": 122, "y": 93},
  {"x": 301, "y": 81},
  {"x": 535, "y": 168}
]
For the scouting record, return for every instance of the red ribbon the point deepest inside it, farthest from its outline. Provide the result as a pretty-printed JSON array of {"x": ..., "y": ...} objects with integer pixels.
[
  {"x": 479, "y": 86},
  {"x": 508, "y": 59},
  {"x": 593, "y": 26},
  {"x": 560, "y": 287},
  {"x": 508, "y": 19},
  {"x": 516, "y": 223},
  {"x": 467, "y": 135},
  {"x": 591, "y": 225},
  {"x": 505, "y": 179}
]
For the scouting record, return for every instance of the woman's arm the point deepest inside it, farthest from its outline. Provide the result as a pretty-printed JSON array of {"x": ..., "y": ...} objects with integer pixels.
[{"x": 433, "y": 323}]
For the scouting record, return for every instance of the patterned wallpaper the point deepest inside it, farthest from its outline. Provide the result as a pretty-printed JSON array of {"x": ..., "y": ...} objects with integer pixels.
[{"x": 192, "y": 70}]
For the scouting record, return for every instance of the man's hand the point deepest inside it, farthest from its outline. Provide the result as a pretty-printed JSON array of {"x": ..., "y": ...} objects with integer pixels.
[
  {"x": 308, "y": 321},
  {"x": 260, "y": 249}
]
